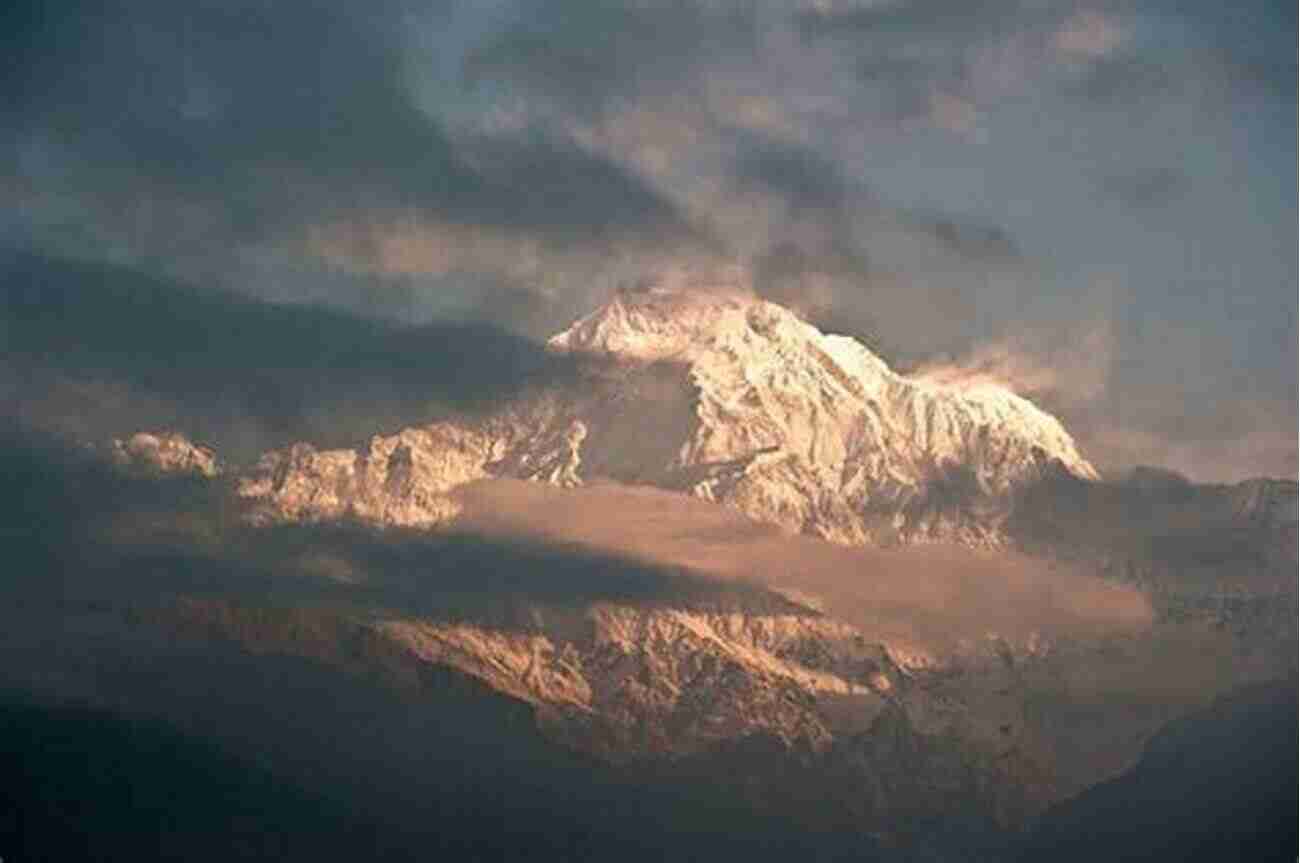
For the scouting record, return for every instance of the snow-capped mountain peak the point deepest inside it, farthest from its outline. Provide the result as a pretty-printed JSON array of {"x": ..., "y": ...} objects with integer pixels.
[
  {"x": 673, "y": 315},
  {"x": 728, "y": 397}
]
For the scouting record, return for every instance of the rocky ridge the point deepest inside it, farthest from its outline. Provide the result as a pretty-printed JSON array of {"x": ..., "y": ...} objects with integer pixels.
[
  {"x": 166, "y": 452},
  {"x": 643, "y": 686},
  {"x": 707, "y": 390}
]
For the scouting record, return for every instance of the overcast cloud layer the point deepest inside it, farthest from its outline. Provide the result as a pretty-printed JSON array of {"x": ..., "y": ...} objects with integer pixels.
[{"x": 1091, "y": 201}]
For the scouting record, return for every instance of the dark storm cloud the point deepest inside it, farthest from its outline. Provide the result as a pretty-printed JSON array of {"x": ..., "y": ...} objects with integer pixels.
[
  {"x": 273, "y": 115},
  {"x": 93, "y": 351},
  {"x": 810, "y": 187},
  {"x": 822, "y": 259},
  {"x": 551, "y": 184},
  {"x": 1123, "y": 81},
  {"x": 814, "y": 264},
  {"x": 590, "y": 56},
  {"x": 1250, "y": 43},
  {"x": 816, "y": 201},
  {"x": 903, "y": 83},
  {"x": 967, "y": 238},
  {"x": 951, "y": 174},
  {"x": 1132, "y": 54},
  {"x": 1154, "y": 188},
  {"x": 1150, "y": 105},
  {"x": 805, "y": 181},
  {"x": 928, "y": 17},
  {"x": 269, "y": 149},
  {"x": 907, "y": 52}
]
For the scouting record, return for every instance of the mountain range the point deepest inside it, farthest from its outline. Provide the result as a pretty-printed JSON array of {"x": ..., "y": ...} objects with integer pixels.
[
  {"x": 722, "y": 551},
  {"x": 696, "y": 387}
]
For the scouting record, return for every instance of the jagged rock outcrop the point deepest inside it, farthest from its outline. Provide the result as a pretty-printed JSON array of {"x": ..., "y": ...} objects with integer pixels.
[
  {"x": 400, "y": 480},
  {"x": 705, "y": 389},
  {"x": 164, "y": 452}
]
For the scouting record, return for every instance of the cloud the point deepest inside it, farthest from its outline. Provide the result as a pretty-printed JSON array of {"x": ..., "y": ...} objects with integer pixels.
[
  {"x": 803, "y": 180},
  {"x": 590, "y": 59},
  {"x": 133, "y": 543},
  {"x": 263, "y": 121},
  {"x": 96, "y": 352},
  {"x": 932, "y": 175},
  {"x": 1069, "y": 369},
  {"x": 831, "y": 248},
  {"x": 409, "y": 245},
  {"x": 936, "y": 63},
  {"x": 1122, "y": 420},
  {"x": 1130, "y": 82},
  {"x": 1090, "y": 35},
  {"x": 1148, "y": 188},
  {"x": 929, "y": 597},
  {"x": 953, "y": 113},
  {"x": 1259, "y": 440},
  {"x": 971, "y": 240}
]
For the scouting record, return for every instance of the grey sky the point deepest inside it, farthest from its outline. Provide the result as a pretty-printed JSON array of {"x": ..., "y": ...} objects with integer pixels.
[{"x": 1092, "y": 199}]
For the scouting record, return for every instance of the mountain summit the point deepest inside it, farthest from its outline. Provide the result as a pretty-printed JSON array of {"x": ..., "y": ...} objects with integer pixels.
[{"x": 705, "y": 389}]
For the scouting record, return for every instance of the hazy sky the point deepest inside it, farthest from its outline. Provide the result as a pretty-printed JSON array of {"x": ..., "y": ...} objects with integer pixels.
[{"x": 1092, "y": 200}]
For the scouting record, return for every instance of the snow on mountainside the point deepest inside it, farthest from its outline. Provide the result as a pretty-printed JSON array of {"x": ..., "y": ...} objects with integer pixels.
[
  {"x": 695, "y": 386},
  {"x": 710, "y": 391}
]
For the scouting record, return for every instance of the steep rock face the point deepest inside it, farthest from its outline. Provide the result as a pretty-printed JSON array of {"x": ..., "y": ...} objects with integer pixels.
[{"x": 712, "y": 392}]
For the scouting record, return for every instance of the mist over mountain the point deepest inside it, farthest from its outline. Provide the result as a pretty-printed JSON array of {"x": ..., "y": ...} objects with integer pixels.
[
  {"x": 627, "y": 563},
  {"x": 676, "y": 430}
]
